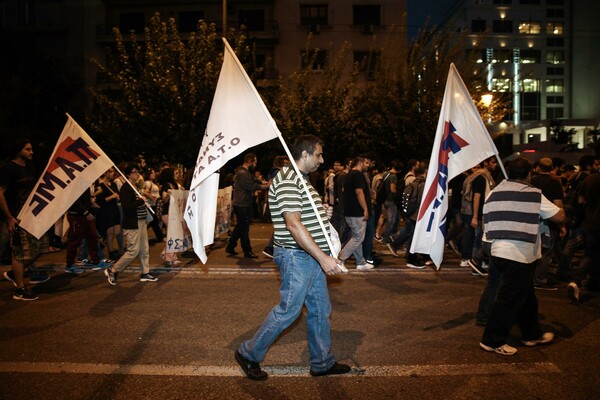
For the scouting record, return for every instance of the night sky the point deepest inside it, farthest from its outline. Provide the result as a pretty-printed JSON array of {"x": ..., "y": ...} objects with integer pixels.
[{"x": 418, "y": 10}]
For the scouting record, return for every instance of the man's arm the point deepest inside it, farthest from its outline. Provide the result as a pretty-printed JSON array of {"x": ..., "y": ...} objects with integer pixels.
[
  {"x": 301, "y": 235},
  {"x": 363, "y": 202},
  {"x": 12, "y": 221},
  {"x": 476, "y": 202}
]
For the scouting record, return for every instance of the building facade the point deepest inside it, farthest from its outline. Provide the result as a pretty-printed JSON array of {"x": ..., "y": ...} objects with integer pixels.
[{"x": 540, "y": 55}]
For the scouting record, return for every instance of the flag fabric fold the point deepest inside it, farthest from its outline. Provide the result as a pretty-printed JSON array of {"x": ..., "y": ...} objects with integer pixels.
[
  {"x": 76, "y": 162},
  {"x": 461, "y": 142},
  {"x": 238, "y": 120}
]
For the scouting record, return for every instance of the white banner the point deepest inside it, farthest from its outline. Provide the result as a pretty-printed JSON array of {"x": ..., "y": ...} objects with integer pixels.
[
  {"x": 178, "y": 235},
  {"x": 461, "y": 142},
  {"x": 238, "y": 120},
  {"x": 224, "y": 210},
  {"x": 77, "y": 161}
]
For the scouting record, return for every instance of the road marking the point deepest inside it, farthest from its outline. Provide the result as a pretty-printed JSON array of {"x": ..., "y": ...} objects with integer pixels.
[{"x": 278, "y": 371}]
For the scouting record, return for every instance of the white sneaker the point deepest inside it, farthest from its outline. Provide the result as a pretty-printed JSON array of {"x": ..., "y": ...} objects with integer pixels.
[
  {"x": 364, "y": 267},
  {"x": 464, "y": 263},
  {"x": 547, "y": 337},
  {"x": 504, "y": 350}
]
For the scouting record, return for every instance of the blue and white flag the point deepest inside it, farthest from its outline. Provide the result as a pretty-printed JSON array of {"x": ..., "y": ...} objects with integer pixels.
[{"x": 461, "y": 142}]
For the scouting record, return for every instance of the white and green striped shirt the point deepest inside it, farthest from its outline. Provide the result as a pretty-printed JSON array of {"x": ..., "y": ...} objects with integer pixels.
[{"x": 286, "y": 194}]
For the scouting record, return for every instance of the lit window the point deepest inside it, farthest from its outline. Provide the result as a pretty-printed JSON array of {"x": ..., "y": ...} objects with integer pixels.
[
  {"x": 501, "y": 85},
  {"x": 555, "y": 28},
  {"x": 554, "y": 85},
  {"x": 530, "y": 28},
  {"x": 530, "y": 85},
  {"x": 555, "y": 57}
]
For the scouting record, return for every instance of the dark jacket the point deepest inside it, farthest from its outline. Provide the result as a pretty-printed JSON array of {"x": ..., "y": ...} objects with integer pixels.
[{"x": 130, "y": 203}]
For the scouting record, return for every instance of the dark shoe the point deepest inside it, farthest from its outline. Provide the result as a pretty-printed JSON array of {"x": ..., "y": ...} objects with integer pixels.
[
  {"x": 250, "y": 368},
  {"x": 477, "y": 269},
  {"x": 24, "y": 294},
  {"x": 9, "y": 276},
  {"x": 336, "y": 369},
  {"x": 231, "y": 251},
  {"x": 250, "y": 255},
  {"x": 38, "y": 277},
  {"x": 546, "y": 286}
]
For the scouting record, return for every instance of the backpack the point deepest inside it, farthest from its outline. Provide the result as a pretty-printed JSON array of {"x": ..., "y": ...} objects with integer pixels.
[
  {"x": 381, "y": 192},
  {"x": 411, "y": 197}
]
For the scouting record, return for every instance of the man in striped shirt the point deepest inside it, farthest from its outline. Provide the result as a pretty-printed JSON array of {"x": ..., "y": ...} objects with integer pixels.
[
  {"x": 511, "y": 217},
  {"x": 302, "y": 256}
]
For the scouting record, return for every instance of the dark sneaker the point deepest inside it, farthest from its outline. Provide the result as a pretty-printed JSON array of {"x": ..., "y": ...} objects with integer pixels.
[
  {"x": 477, "y": 269},
  {"x": 504, "y": 350},
  {"x": 416, "y": 264},
  {"x": 268, "y": 251},
  {"x": 24, "y": 294},
  {"x": 250, "y": 255},
  {"x": 8, "y": 275},
  {"x": 148, "y": 278},
  {"x": 231, "y": 251},
  {"x": 392, "y": 249},
  {"x": 103, "y": 264},
  {"x": 250, "y": 368},
  {"x": 83, "y": 262},
  {"x": 38, "y": 277},
  {"x": 336, "y": 369},
  {"x": 111, "y": 277},
  {"x": 379, "y": 238},
  {"x": 547, "y": 337},
  {"x": 573, "y": 292},
  {"x": 71, "y": 269}
]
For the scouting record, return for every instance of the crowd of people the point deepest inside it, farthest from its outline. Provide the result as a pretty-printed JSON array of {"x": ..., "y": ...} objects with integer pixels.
[
  {"x": 534, "y": 229},
  {"x": 107, "y": 225}
]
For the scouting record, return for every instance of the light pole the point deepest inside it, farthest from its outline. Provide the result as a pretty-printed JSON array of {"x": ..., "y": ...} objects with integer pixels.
[{"x": 224, "y": 18}]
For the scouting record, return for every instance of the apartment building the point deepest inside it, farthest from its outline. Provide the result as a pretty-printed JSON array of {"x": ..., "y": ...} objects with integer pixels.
[{"x": 539, "y": 54}]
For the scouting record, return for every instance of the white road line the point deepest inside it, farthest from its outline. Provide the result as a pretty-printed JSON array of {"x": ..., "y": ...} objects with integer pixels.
[{"x": 278, "y": 371}]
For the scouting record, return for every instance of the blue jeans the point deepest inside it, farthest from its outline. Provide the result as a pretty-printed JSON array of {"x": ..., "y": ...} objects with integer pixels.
[
  {"x": 391, "y": 212},
  {"x": 354, "y": 246},
  {"x": 367, "y": 245},
  {"x": 303, "y": 283}
]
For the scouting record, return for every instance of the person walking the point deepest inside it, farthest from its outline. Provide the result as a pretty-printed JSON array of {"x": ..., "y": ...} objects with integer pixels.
[
  {"x": 135, "y": 230},
  {"x": 244, "y": 186},
  {"x": 511, "y": 216},
  {"x": 303, "y": 259}
]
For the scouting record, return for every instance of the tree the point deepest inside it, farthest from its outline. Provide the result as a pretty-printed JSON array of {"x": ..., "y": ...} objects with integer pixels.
[
  {"x": 165, "y": 85},
  {"x": 559, "y": 134}
]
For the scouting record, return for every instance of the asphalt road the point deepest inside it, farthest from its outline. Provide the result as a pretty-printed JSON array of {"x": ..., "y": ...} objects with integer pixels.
[{"x": 408, "y": 335}]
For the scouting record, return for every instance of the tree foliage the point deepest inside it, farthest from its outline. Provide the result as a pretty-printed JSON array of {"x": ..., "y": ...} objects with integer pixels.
[{"x": 163, "y": 89}]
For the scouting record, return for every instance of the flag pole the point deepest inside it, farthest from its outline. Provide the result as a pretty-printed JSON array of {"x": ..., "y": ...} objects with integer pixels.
[{"x": 287, "y": 150}]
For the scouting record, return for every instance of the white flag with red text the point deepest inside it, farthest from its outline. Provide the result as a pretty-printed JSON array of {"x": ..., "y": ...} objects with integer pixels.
[
  {"x": 77, "y": 161},
  {"x": 461, "y": 142},
  {"x": 238, "y": 120}
]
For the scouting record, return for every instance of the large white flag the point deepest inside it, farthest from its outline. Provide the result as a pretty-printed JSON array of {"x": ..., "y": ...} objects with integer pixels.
[
  {"x": 461, "y": 142},
  {"x": 77, "y": 161},
  {"x": 238, "y": 120}
]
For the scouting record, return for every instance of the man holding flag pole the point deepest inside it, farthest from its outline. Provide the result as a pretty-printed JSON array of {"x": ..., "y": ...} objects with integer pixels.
[
  {"x": 461, "y": 141},
  {"x": 240, "y": 120}
]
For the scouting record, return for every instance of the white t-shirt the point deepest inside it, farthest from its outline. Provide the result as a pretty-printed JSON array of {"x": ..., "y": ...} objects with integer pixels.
[{"x": 524, "y": 252}]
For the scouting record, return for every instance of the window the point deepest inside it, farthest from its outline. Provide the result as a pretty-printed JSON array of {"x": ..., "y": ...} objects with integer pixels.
[
  {"x": 132, "y": 22},
  {"x": 530, "y": 106},
  {"x": 368, "y": 62},
  {"x": 554, "y": 85},
  {"x": 313, "y": 14},
  {"x": 476, "y": 55},
  {"x": 502, "y": 2},
  {"x": 529, "y": 56},
  {"x": 188, "y": 20},
  {"x": 555, "y": 13},
  {"x": 530, "y": 28},
  {"x": 555, "y": 28},
  {"x": 530, "y": 85},
  {"x": 554, "y": 99},
  {"x": 315, "y": 60},
  {"x": 501, "y": 85},
  {"x": 555, "y": 57},
  {"x": 366, "y": 15},
  {"x": 555, "y": 71},
  {"x": 253, "y": 20},
  {"x": 555, "y": 42},
  {"x": 478, "y": 25},
  {"x": 502, "y": 56},
  {"x": 554, "y": 112},
  {"x": 529, "y": 1},
  {"x": 502, "y": 26}
]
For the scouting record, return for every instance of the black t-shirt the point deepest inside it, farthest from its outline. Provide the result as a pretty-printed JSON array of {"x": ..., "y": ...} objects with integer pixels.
[
  {"x": 590, "y": 190},
  {"x": 551, "y": 189},
  {"x": 456, "y": 185},
  {"x": 478, "y": 186},
  {"x": 355, "y": 180},
  {"x": 19, "y": 181}
]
